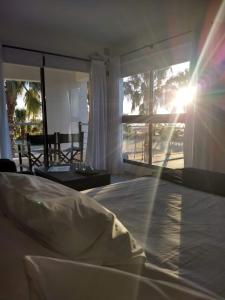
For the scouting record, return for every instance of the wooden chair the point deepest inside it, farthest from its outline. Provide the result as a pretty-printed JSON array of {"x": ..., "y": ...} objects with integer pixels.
[
  {"x": 35, "y": 155},
  {"x": 73, "y": 152}
]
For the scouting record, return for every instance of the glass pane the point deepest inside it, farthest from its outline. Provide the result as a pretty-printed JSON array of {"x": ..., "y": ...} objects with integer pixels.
[
  {"x": 136, "y": 94},
  {"x": 167, "y": 145},
  {"x": 23, "y": 96},
  {"x": 67, "y": 105},
  {"x": 171, "y": 93},
  {"x": 136, "y": 142}
]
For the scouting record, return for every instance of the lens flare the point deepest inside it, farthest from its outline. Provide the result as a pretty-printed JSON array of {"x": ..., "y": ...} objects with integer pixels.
[{"x": 184, "y": 96}]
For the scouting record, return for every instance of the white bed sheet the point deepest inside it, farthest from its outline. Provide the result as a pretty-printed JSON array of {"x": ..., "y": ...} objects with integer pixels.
[{"x": 182, "y": 230}]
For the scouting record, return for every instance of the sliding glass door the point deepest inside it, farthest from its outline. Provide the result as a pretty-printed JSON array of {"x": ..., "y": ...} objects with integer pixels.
[
  {"x": 46, "y": 93},
  {"x": 66, "y": 96},
  {"x": 67, "y": 105},
  {"x": 24, "y": 107}
]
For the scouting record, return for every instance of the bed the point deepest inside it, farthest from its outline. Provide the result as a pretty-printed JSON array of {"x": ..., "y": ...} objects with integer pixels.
[{"x": 181, "y": 230}]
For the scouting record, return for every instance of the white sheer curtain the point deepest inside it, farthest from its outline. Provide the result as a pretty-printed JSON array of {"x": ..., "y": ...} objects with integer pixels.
[
  {"x": 5, "y": 145},
  {"x": 97, "y": 127},
  {"x": 114, "y": 146}
]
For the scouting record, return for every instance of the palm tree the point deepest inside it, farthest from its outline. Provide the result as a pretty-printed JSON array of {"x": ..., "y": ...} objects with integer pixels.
[
  {"x": 165, "y": 84},
  {"x": 32, "y": 102},
  {"x": 20, "y": 117},
  {"x": 137, "y": 89},
  {"x": 12, "y": 90}
]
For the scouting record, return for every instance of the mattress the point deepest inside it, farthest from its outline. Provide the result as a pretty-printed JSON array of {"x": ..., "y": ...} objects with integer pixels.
[{"x": 181, "y": 229}]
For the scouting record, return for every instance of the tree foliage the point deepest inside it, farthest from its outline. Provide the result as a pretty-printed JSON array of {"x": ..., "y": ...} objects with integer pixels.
[
  {"x": 165, "y": 85},
  {"x": 20, "y": 117},
  {"x": 33, "y": 104},
  {"x": 137, "y": 90},
  {"x": 32, "y": 99},
  {"x": 31, "y": 91}
]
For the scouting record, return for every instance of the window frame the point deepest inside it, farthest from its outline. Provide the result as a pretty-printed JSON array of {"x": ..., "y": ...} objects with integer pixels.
[{"x": 151, "y": 119}]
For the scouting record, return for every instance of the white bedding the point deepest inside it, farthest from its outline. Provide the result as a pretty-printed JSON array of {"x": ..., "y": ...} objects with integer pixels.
[
  {"x": 67, "y": 221},
  {"x": 62, "y": 223},
  {"x": 182, "y": 230}
]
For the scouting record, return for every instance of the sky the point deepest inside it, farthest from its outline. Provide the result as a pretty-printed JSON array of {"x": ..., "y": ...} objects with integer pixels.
[{"x": 20, "y": 101}]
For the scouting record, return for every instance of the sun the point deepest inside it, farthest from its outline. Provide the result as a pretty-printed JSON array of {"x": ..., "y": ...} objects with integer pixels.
[{"x": 184, "y": 96}]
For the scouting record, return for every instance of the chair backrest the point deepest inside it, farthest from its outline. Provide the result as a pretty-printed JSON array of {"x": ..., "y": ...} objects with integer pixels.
[
  {"x": 52, "y": 139},
  {"x": 36, "y": 140},
  {"x": 73, "y": 150},
  {"x": 64, "y": 138}
]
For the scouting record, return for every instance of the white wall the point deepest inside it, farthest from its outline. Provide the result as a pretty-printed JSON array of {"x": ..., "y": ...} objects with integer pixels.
[
  {"x": 160, "y": 56},
  {"x": 20, "y": 72}
]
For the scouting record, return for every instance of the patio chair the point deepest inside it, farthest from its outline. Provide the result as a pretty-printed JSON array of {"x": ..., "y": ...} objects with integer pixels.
[
  {"x": 74, "y": 147},
  {"x": 35, "y": 150}
]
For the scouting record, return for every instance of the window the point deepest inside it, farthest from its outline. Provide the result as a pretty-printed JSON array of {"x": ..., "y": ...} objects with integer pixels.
[
  {"x": 67, "y": 103},
  {"x": 136, "y": 142},
  {"x": 24, "y": 107},
  {"x": 169, "y": 86},
  {"x": 154, "y": 107},
  {"x": 136, "y": 94},
  {"x": 167, "y": 145}
]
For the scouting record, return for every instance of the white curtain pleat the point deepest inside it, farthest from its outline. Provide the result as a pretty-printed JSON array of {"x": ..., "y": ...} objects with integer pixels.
[
  {"x": 114, "y": 146},
  {"x": 5, "y": 145},
  {"x": 97, "y": 127}
]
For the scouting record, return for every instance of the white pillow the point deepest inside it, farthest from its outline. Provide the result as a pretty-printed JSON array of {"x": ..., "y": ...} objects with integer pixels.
[
  {"x": 58, "y": 279},
  {"x": 67, "y": 221}
]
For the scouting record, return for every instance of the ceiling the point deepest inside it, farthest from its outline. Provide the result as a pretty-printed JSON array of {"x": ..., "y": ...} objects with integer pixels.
[{"x": 79, "y": 27}]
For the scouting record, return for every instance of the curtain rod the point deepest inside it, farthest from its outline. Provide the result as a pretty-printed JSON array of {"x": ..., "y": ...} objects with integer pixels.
[
  {"x": 156, "y": 43},
  {"x": 44, "y": 52}
]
